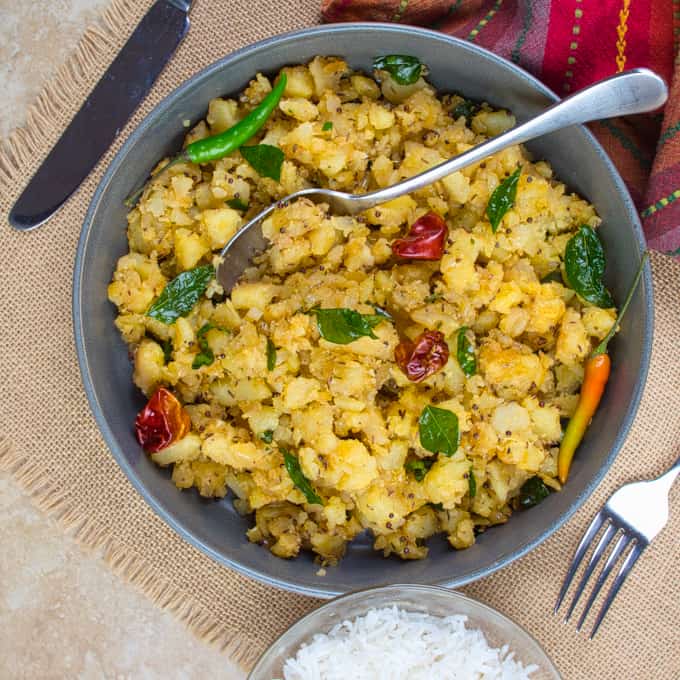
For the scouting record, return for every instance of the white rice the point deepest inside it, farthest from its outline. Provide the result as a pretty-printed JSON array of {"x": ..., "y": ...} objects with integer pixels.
[{"x": 392, "y": 644}]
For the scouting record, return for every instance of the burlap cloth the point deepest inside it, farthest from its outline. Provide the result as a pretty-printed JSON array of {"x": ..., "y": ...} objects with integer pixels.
[{"x": 50, "y": 442}]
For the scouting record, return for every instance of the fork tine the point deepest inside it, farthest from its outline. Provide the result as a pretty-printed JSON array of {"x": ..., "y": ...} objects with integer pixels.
[
  {"x": 578, "y": 557},
  {"x": 602, "y": 544},
  {"x": 629, "y": 561},
  {"x": 620, "y": 545}
]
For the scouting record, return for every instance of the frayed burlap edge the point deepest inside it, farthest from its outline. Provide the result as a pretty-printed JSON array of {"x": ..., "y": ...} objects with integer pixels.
[
  {"x": 19, "y": 155},
  {"x": 62, "y": 94},
  {"x": 132, "y": 568}
]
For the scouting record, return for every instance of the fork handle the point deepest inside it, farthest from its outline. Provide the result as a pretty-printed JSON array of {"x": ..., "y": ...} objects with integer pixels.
[
  {"x": 669, "y": 476},
  {"x": 634, "y": 91}
]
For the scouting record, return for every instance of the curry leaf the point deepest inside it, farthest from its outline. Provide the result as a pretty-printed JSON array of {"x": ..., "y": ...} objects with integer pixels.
[
  {"x": 584, "y": 264},
  {"x": 502, "y": 199},
  {"x": 265, "y": 159},
  {"x": 301, "y": 482},
  {"x": 181, "y": 294},
  {"x": 237, "y": 204},
  {"x": 403, "y": 68},
  {"x": 472, "y": 484},
  {"x": 342, "y": 325},
  {"x": 533, "y": 491},
  {"x": 205, "y": 357},
  {"x": 433, "y": 297},
  {"x": 267, "y": 436},
  {"x": 439, "y": 430},
  {"x": 271, "y": 355},
  {"x": 466, "y": 108},
  {"x": 328, "y": 125},
  {"x": 202, "y": 359},
  {"x": 419, "y": 467},
  {"x": 465, "y": 353}
]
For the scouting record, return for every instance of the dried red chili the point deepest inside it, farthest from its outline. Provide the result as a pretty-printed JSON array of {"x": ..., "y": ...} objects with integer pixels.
[
  {"x": 421, "y": 358},
  {"x": 425, "y": 239},
  {"x": 161, "y": 422}
]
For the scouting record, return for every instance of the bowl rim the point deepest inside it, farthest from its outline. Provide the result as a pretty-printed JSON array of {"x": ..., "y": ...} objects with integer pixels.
[
  {"x": 453, "y": 595},
  {"x": 163, "y": 510}
]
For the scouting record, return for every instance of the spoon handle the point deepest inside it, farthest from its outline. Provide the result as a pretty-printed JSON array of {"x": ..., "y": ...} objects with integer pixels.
[{"x": 634, "y": 91}]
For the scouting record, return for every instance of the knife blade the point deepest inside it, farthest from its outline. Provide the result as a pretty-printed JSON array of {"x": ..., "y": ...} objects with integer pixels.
[{"x": 104, "y": 113}]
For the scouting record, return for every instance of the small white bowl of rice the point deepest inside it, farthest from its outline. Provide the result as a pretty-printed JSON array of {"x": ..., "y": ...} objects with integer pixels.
[{"x": 402, "y": 632}]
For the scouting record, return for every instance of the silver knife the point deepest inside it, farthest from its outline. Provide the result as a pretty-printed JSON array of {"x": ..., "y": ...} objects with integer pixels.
[{"x": 104, "y": 113}]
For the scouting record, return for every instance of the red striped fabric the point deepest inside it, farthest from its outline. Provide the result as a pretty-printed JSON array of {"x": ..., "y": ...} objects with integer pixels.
[{"x": 570, "y": 44}]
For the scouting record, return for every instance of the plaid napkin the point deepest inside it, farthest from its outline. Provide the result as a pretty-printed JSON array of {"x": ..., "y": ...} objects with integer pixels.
[{"x": 569, "y": 44}]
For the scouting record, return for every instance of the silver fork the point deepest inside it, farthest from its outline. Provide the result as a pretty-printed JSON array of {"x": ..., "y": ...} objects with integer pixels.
[{"x": 635, "y": 513}]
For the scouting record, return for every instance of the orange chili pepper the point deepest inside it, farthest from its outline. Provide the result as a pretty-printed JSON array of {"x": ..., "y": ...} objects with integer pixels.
[
  {"x": 161, "y": 422},
  {"x": 597, "y": 370}
]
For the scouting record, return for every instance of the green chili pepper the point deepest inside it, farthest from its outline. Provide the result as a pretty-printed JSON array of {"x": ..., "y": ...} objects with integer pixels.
[{"x": 218, "y": 146}]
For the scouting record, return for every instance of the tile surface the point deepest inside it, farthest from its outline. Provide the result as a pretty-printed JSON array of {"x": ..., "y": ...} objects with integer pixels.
[{"x": 63, "y": 613}]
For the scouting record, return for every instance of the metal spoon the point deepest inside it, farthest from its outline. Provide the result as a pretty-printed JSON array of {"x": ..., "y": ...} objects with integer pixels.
[{"x": 634, "y": 91}]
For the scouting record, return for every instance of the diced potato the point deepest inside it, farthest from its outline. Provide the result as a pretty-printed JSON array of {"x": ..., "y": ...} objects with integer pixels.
[
  {"x": 545, "y": 420},
  {"x": 253, "y": 295},
  {"x": 380, "y": 117},
  {"x": 509, "y": 295},
  {"x": 525, "y": 455},
  {"x": 184, "y": 334},
  {"x": 190, "y": 247},
  {"x": 299, "y": 108},
  {"x": 299, "y": 82},
  {"x": 381, "y": 510},
  {"x": 393, "y": 213},
  {"x": 299, "y": 392},
  {"x": 510, "y": 418},
  {"x": 514, "y": 322},
  {"x": 149, "y": 362},
  {"x": 326, "y": 73},
  {"x": 137, "y": 281},
  {"x": 457, "y": 187},
  {"x": 262, "y": 419},
  {"x": 464, "y": 535},
  {"x": 598, "y": 322},
  {"x": 209, "y": 478},
  {"x": 512, "y": 373},
  {"x": 545, "y": 314},
  {"x": 185, "y": 449},
  {"x": 447, "y": 481},
  {"x": 219, "y": 225},
  {"x": 222, "y": 114},
  {"x": 255, "y": 389},
  {"x": 222, "y": 449},
  {"x": 573, "y": 344},
  {"x": 492, "y": 123},
  {"x": 225, "y": 315},
  {"x": 131, "y": 327}
]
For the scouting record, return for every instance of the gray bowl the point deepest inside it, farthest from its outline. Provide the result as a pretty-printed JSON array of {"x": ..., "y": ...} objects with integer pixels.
[{"x": 214, "y": 527}]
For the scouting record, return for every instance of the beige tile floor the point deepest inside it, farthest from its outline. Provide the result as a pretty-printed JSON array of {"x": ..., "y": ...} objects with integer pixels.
[{"x": 63, "y": 614}]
